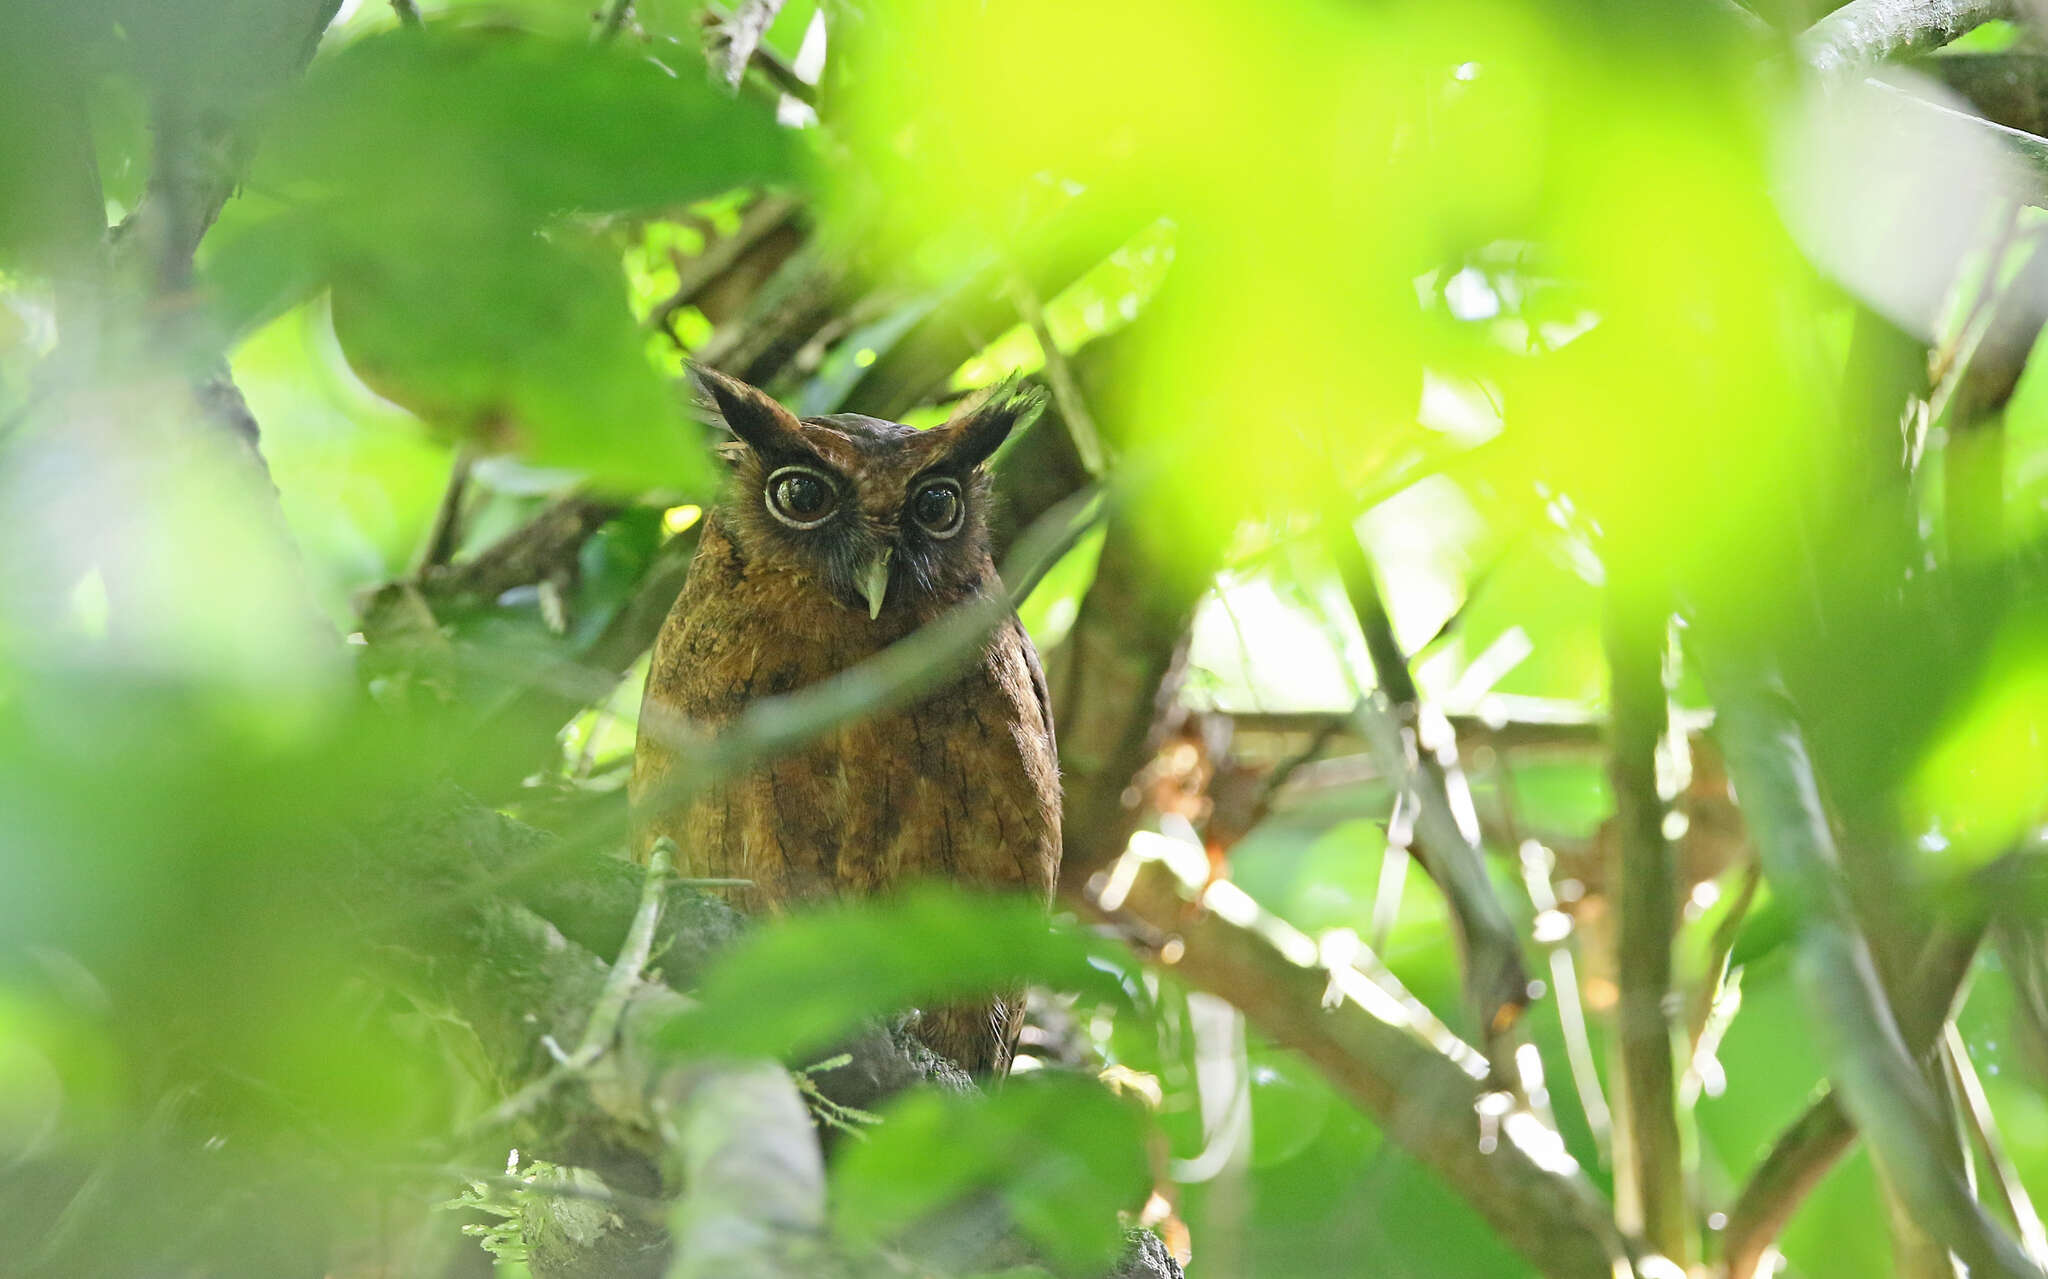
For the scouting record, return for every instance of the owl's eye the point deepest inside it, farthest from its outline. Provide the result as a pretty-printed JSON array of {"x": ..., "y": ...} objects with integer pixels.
[
  {"x": 801, "y": 497},
  {"x": 938, "y": 508}
]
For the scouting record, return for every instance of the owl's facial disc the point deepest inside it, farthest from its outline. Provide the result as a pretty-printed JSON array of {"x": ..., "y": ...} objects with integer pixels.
[{"x": 874, "y": 581}]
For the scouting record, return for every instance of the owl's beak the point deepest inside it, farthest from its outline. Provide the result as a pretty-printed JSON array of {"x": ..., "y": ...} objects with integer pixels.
[{"x": 874, "y": 582}]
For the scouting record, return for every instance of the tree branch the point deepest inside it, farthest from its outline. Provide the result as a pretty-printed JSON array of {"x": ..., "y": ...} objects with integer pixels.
[
  {"x": 1863, "y": 33},
  {"x": 611, "y": 19},
  {"x": 538, "y": 550},
  {"x": 748, "y": 1155},
  {"x": 1496, "y": 983},
  {"x": 1955, "y": 1054},
  {"x": 763, "y": 218},
  {"x": 763, "y": 59},
  {"x": 1379, "y": 1046},
  {"x": 1875, "y": 1071},
  {"x": 1811, "y": 1145},
  {"x": 736, "y": 38},
  {"x": 2008, "y": 88},
  {"x": 601, "y": 1028}
]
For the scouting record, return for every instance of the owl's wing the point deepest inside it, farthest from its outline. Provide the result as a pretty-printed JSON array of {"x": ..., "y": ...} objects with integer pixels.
[{"x": 1039, "y": 689}]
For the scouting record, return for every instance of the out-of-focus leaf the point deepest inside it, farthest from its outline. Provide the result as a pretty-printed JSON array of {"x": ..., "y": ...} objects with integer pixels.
[
  {"x": 412, "y": 131},
  {"x": 1888, "y": 187},
  {"x": 1773, "y": 1068},
  {"x": 48, "y": 188},
  {"x": 794, "y": 986},
  {"x": 1048, "y": 613},
  {"x": 1986, "y": 778},
  {"x": 1347, "y": 1203},
  {"x": 1061, "y": 1153},
  {"x": 59, "y": 1077},
  {"x": 1542, "y": 586},
  {"x": 356, "y": 479},
  {"x": 1289, "y": 1104},
  {"x": 1766, "y": 930},
  {"x": 426, "y": 176},
  {"x": 523, "y": 344}
]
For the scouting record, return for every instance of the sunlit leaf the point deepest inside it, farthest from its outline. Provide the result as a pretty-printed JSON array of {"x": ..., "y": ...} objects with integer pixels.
[
  {"x": 1986, "y": 778},
  {"x": 1061, "y": 1154},
  {"x": 474, "y": 127},
  {"x": 415, "y": 173},
  {"x": 524, "y": 345},
  {"x": 1289, "y": 1104},
  {"x": 795, "y": 985}
]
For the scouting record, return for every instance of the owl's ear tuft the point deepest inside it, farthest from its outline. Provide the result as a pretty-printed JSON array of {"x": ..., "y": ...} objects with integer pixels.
[
  {"x": 980, "y": 428},
  {"x": 748, "y": 412}
]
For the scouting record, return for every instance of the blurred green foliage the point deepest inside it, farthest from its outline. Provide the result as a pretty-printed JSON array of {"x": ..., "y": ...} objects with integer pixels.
[
  {"x": 796, "y": 990},
  {"x": 1528, "y": 297},
  {"x": 1053, "y": 1150}
]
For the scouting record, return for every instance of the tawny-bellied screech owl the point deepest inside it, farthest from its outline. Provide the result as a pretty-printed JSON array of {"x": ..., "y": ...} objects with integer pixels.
[{"x": 838, "y": 536}]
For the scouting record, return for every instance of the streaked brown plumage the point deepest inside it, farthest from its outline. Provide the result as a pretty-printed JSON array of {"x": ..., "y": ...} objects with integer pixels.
[{"x": 963, "y": 786}]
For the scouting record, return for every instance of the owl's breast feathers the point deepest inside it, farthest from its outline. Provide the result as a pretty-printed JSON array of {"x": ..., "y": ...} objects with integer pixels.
[{"x": 961, "y": 786}]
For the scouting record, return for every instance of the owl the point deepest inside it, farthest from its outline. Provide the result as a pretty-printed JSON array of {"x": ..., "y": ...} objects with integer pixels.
[{"x": 838, "y": 536}]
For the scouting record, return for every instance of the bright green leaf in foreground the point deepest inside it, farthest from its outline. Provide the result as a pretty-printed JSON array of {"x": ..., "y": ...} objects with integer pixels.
[
  {"x": 472, "y": 127},
  {"x": 1986, "y": 779},
  {"x": 1060, "y": 1154},
  {"x": 797, "y": 984},
  {"x": 443, "y": 184}
]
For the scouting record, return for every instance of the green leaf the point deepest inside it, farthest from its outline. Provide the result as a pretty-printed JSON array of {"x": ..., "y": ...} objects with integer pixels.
[
  {"x": 1768, "y": 929},
  {"x": 795, "y": 986},
  {"x": 475, "y": 126},
  {"x": 1290, "y": 1103},
  {"x": 425, "y": 178},
  {"x": 523, "y": 343},
  {"x": 1059, "y": 1152},
  {"x": 49, "y": 196}
]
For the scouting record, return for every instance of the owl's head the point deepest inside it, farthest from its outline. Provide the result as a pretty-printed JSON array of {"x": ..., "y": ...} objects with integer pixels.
[{"x": 881, "y": 515}]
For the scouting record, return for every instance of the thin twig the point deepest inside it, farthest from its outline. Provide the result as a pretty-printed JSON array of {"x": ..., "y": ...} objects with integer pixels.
[
  {"x": 1283, "y": 772},
  {"x": 1805, "y": 1152},
  {"x": 408, "y": 13},
  {"x": 444, "y": 534},
  {"x": 1066, "y": 389},
  {"x": 544, "y": 547},
  {"x": 741, "y": 33},
  {"x": 611, "y": 20},
  {"x": 1874, "y": 1070},
  {"x": 602, "y": 1027},
  {"x": 770, "y": 64},
  {"x": 2008, "y": 88},
  {"x": 1720, "y": 948},
  {"x": 1553, "y": 933},
  {"x": 1649, "y": 1160},
  {"x": 1983, "y": 1124},
  {"x": 1496, "y": 984}
]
